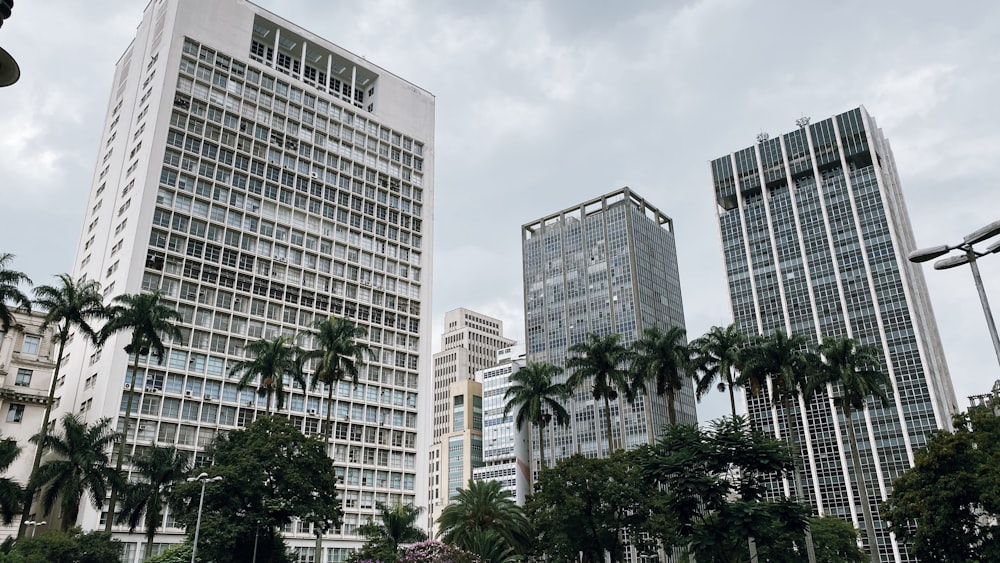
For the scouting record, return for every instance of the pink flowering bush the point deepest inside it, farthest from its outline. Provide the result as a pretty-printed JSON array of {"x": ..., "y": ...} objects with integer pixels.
[{"x": 432, "y": 551}]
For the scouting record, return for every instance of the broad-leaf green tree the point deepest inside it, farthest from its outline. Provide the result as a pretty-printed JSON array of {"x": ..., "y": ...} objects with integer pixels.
[
  {"x": 716, "y": 356},
  {"x": 947, "y": 505},
  {"x": 11, "y": 492},
  {"x": 586, "y": 505},
  {"x": 854, "y": 372},
  {"x": 158, "y": 469},
  {"x": 660, "y": 360},
  {"x": 146, "y": 317},
  {"x": 271, "y": 473},
  {"x": 709, "y": 486},
  {"x": 484, "y": 505},
  {"x": 602, "y": 363},
  {"x": 789, "y": 362},
  {"x": 339, "y": 354},
  {"x": 80, "y": 464},
  {"x": 11, "y": 295},
  {"x": 270, "y": 360},
  {"x": 537, "y": 398},
  {"x": 73, "y": 546},
  {"x": 69, "y": 305}
]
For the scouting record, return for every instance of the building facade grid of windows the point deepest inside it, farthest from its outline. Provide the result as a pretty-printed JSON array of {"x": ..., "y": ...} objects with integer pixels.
[
  {"x": 262, "y": 201},
  {"x": 815, "y": 236}
]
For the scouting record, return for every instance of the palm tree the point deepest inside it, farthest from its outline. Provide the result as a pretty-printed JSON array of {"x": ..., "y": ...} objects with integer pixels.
[
  {"x": 146, "y": 316},
  {"x": 790, "y": 363},
  {"x": 69, "y": 305},
  {"x": 81, "y": 465},
  {"x": 661, "y": 358},
  {"x": 484, "y": 505},
  {"x": 158, "y": 469},
  {"x": 855, "y": 368},
  {"x": 11, "y": 492},
  {"x": 272, "y": 359},
  {"x": 398, "y": 525},
  {"x": 537, "y": 400},
  {"x": 339, "y": 356},
  {"x": 602, "y": 360},
  {"x": 490, "y": 547},
  {"x": 9, "y": 293},
  {"x": 717, "y": 357}
]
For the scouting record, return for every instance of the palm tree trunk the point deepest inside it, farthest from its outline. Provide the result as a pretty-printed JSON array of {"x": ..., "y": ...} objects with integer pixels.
[
  {"x": 793, "y": 443},
  {"x": 541, "y": 453},
  {"x": 328, "y": 432},
  {"x": 607, "y": 422},
  {"x": 124, "y": 442},
  {"x": 859, "y": 479},
  {"x": 150, "y": 534},
  {"x": 671, "y": 410},
  {"x": 732, "y": 394},
  {"x": 29, "y": 493}
]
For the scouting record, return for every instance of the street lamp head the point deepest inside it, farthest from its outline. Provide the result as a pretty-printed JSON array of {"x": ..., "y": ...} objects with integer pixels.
[
  {"x": 989, "y": 231},
  {"x": 993, "y": 248},
  {"x": 925, "y": 254},
  {"x": 951, "y": 262}
]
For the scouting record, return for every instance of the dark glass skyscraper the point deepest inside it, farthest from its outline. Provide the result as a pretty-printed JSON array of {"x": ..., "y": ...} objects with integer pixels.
[
  {"x": 815, "y": 235},
  {"x": 608, "y": 265}
]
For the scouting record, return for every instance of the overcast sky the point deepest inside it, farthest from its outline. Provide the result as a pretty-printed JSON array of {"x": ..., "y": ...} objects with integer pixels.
[{"x": 541, "y": 105}]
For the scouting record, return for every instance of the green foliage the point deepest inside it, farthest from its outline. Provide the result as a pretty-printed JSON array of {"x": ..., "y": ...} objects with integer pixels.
[
  {"x": 584, "y": 505},
  {"x": 602, "y": 362},
  {"x": 660, "y": 359},
  {"x": 80, "y": 464},
  {"x": 158, "y": 470},
  {"x": 537, "y": 400},
  {"x": 338, "y": 356},
  {"x": 716, "y": 355},
  {"x": 482, "y": 506},
  {"x": 948, "y": 503},
  {"x": 67, "y": 547},
  {"x": 397, "y": 525},
  {"x": 836, "y": 541},
  {"x": 271, "y": 360},
  {"x": 10, "y": 294},
  {"x": 11, "y": 492},
  {"x": 270, "y": 473},
  {"x": 710, "y": 487},
  {"x": 180, "y": 553}
]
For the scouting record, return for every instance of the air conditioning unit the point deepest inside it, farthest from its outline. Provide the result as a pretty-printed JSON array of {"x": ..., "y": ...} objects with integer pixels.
[
  {"x": 188, "y": 393},
  {"x": 128, "y": 386},
  {"x": 151, "y": 389},
  {"x": 312, "y": 411},
  {"x": 208, "y": 396},
  {"x": 142, "y": 428},
  {"x": 249, "y": 403}
]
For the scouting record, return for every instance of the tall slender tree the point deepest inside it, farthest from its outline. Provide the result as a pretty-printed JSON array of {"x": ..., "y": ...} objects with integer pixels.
[
  {"x": 716, "y": 356},
  {"x": 11, "y": 491},
  {"x": 660, "y": 359},
  {"x": 146, "y": 317},
  {"x": 537, "y": 399},
  {"x": 789, "y": 362},
  {"x": 270, "y": 361},
  {"x": 10, "y": 293},
  {"x": 339, "y": 355},
  {"x": 143, "y": 501},
  {"x": 68, "y": 305},
  {"x": 855, "y": 371},
  {"x": 601, "y": 361},
  {"x": 81, "y": 464}
]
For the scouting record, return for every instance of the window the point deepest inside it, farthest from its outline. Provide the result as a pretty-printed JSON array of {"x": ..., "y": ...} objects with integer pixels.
[
  {"x": 23, "y": 377},
  {"x": 31, "y": 344},
  {"x": 15, "y": 413}
]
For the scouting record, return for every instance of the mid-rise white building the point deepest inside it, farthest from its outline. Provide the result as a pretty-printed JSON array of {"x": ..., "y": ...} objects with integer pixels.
[
  {"x": 261, "y": 178},
  {"x": 505, "y": 448}
]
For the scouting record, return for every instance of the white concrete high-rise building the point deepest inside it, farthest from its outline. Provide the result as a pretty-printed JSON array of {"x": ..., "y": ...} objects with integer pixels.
[
  {"x": 261, "y": 177},
  {"x": 815, "y": 236}
]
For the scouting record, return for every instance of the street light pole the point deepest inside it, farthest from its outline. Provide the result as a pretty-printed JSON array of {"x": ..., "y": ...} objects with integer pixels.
[
  {"x": 969, "y": 256},
  {"x": 205, "y": 479},
  {"x": 34, "y": 525}
]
